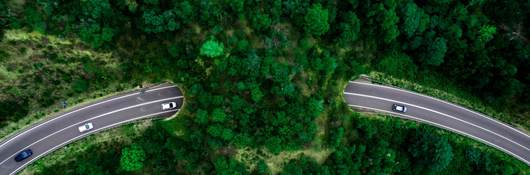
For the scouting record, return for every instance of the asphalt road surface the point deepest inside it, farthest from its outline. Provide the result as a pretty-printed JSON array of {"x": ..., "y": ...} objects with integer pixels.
[
  {"x": 56, "y": 132},
  {"x": 441, "y": 114}
]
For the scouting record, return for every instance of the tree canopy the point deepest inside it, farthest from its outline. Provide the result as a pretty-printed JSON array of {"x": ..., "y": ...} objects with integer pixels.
[
  {"x": 265, "y": 79},
  {"x": 316, "y": 20},
  {"x": 132, "y": 158},
  {"x": 212, "y": 48}
]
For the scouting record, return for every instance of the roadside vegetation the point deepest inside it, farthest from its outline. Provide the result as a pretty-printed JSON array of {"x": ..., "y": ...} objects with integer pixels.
[
  {"x": 442, "y": 88},
  {"x": 104, "y": 143},
  {"x": 362, "y": 143},
  {"x": 373, "y": 144},
  {"x": 268, "y": 82},
  {"x": 40, "y": 72}
]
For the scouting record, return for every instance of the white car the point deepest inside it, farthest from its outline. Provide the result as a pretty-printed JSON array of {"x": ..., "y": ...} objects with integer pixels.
[
  {"x": 169, "y": 105},
  {"x": 85, "y": 127},
  {"x": 399, "y": 108}
]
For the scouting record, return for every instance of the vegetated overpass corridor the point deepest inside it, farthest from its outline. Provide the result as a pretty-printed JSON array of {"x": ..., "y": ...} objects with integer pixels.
[
  {"x": 56, "y": 132},
  {"x": 441, "y": 114}
]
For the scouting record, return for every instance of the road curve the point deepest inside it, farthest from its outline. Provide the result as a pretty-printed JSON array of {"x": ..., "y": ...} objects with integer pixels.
[
  {"x": 56, "y": 132},
  {"x": 441, "y": 114}
]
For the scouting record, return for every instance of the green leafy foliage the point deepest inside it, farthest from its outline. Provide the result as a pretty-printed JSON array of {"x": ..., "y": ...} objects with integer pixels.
[
  {"x": 34, "y": 19},
  {"x": 436, "y": 52},
  {"x": 273, "y": 78},
  {"x": 486, "y": 33},
  {"x": 262, "y": 168},
  {"x": 80, "y": 85},
  {"x": 156, "y": 23},
  {"x": 96, "y": 9},
  {"x": 399, "y": 65},
  {"x": 303, "y": 165},
  {"x": 350, "y": 30},
  {"x": 5, "y": 17},
  {"x": 228, "y": 166},
  {"x": 316, "y": 20},
  {"x": 66, "y": 71},
  {"x": 412, "y": 19},
  {"x": 96, "y": 35},
  {"x": 152, "y": 2},
  {"x": 132, "y": 158},
  {"x": 261, "y": 21},
  {"x": 387, "y": 19},
  {"x": 390, "y": 25},
  {"x": 212, "y": 48},
  {"x": 431, "y": 151},
  {"x": 218, "y": 115}
]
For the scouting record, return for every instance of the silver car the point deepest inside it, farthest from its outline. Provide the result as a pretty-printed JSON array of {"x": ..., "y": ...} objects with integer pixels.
[{"x": 85, "y": 127}]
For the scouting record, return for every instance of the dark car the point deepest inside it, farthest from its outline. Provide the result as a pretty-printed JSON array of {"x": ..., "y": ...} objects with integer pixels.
[
  {"x": 399, "y": 108},
  {"x": 23, "y": 155}
]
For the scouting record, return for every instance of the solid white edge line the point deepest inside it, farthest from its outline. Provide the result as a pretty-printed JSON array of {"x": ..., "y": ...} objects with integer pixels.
[
  {"x": 68, "y": 113},
  {"x": 395, "y": 101},
  {"x": 448, "y": 128},
  {"x": 84, "y": 135},
  {"x": 449, "y": 103},
  {"x": 84, "y": 121}
]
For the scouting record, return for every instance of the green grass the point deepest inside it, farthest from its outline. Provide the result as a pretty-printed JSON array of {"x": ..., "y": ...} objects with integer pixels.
[{"x": 448, "y": 91}]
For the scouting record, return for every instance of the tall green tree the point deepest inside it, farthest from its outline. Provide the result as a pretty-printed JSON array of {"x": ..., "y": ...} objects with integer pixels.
[
  {"x": 350, "y": 28},
  {"x": 229, "y": 166},
  {"x": 399, "y": 65},
  {"x": 132, "y": 158},
  {"x": 411, "y": 21},
  {"x": 5, "y": 17},
  {"x": 157, "y": 23},
  {"x": 218, "y": 115},
  {"x": 317, "y": 20},
  {"x": 435, "y": 52},
  {"x": 387, "y": 19},
  {"x": 431, "y": 150},
  {"x": 486, "y": 33},
  {"x": 260, "y": 21},
  {"x": 96, "y": 9},
  {"x": 389, "y": 25},
  {"x": 212, "y": 48}
]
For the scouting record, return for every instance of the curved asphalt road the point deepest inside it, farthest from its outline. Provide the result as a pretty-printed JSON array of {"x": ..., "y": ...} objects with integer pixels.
[
  {"x": 441, "y": 114},
  {"x": 51, "y": 134}
]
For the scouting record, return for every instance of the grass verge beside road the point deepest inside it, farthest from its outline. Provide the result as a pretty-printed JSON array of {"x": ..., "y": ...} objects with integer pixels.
[
  {"x": 38, "y": 72},
  {"x": 40, "y": 115}
]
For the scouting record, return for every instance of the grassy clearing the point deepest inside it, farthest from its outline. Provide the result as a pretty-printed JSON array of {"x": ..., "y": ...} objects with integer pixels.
[
  {"x": 251, "y": 156},
  {"x": 448, "y": 91}
]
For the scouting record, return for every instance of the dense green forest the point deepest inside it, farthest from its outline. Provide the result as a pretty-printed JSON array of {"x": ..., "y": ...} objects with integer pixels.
[{"x": 268, "y": 75}]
